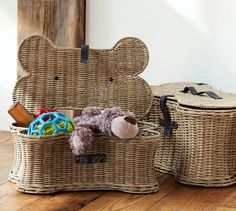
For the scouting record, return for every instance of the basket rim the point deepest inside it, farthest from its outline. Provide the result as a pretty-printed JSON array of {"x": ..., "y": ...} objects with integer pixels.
[
  {"x": 188, "y": 100},
  {"x": 150, "y": 128}
]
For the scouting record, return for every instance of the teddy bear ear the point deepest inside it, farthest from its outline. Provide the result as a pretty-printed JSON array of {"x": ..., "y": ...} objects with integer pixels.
[
  {"x": 130, "y": 55},
  {"x": 31, "y": 48}
]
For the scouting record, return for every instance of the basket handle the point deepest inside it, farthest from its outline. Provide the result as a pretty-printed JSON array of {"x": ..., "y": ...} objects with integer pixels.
[
  {"x": 193, "y": 91},
  {"x": 167, "y": 123},
  {"x": 91, "y": 158},
  {"x": 84, "y": 54}
]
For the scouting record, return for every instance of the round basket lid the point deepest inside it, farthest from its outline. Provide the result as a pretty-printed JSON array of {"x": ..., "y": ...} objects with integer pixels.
[
  {"x": 60, "y": 77},
  {"x": 208, "y": 98}
]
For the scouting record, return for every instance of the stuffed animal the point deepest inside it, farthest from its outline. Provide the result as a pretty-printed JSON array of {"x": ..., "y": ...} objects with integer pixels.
[{"x": 110, "y": 121}]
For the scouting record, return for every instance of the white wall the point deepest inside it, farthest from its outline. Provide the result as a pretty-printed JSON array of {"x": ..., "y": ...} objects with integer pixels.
[
  {"x": 8, "y": 51},
  {"x": 188, "y": 40}
]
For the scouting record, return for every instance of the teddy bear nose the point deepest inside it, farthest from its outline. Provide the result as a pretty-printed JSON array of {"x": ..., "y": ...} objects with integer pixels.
[{"x": 131, "y": 120}]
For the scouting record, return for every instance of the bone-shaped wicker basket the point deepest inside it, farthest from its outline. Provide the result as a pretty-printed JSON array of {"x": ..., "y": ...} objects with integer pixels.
[
  {"x": 61, "y": 77},
  {"x": 202, "y": 150}
]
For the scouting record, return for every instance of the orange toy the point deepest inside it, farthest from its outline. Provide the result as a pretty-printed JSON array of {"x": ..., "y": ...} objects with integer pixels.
[{"x": 20, "y": 114}]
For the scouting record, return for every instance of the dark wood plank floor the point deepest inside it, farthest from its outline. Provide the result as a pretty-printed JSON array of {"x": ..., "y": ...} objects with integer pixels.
[{"x": 171, "y": 196}]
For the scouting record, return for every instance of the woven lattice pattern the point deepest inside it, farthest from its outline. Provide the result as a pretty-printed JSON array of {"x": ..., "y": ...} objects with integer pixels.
[
  {"x": 202, "y": 151},
  {"x": 17, "y": 159},
  {"x": 201, "y": 101},
  {"x": 57, "y": 78},
  {"x": 165, "y": 154},
  {"x": 48, "y": 165}
]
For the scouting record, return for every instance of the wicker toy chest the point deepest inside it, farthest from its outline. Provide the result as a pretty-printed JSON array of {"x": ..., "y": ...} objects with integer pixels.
[
  {"x": 65, "y": 77},
  {"x": 198, "y": 133}
]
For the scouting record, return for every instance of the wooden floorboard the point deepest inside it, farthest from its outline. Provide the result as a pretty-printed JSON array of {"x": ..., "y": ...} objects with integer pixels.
[
  {"x": 6, "y": 155},
  {"x": 4, "y": 136},
  {"x": 171, "y": 196}
]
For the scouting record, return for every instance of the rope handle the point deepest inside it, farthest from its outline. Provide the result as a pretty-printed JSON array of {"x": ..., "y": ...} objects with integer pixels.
[{"x": 193, "y": 91}]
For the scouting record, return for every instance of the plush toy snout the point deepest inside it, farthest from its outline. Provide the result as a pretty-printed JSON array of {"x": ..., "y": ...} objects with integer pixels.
[
  {"x": 124, "y": 127},
  {"x": 131, "y": 120}
]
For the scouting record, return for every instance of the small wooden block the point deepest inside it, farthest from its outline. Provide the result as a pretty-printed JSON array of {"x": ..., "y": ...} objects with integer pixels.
[{"x": 20, "y": 114}]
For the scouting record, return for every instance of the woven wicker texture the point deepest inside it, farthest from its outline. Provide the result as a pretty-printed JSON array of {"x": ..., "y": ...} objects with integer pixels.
[
  {"x": 17, "y": 159},
  {"x": 165, "y": 158},
  {"x": 201, "y": 101},
  {"x": 202, "y": 151},
  {"x": 57, "y": 78},
  {"x": 127, "y": 169}
]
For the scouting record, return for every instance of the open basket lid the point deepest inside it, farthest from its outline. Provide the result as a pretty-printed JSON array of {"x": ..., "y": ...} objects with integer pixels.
[
  {"x": 196, "y": 95},
  {"x": 80, "y": 77}
]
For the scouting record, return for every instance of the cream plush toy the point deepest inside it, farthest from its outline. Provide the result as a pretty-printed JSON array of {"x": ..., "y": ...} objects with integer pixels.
[{"x": 110, "y": 121}]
